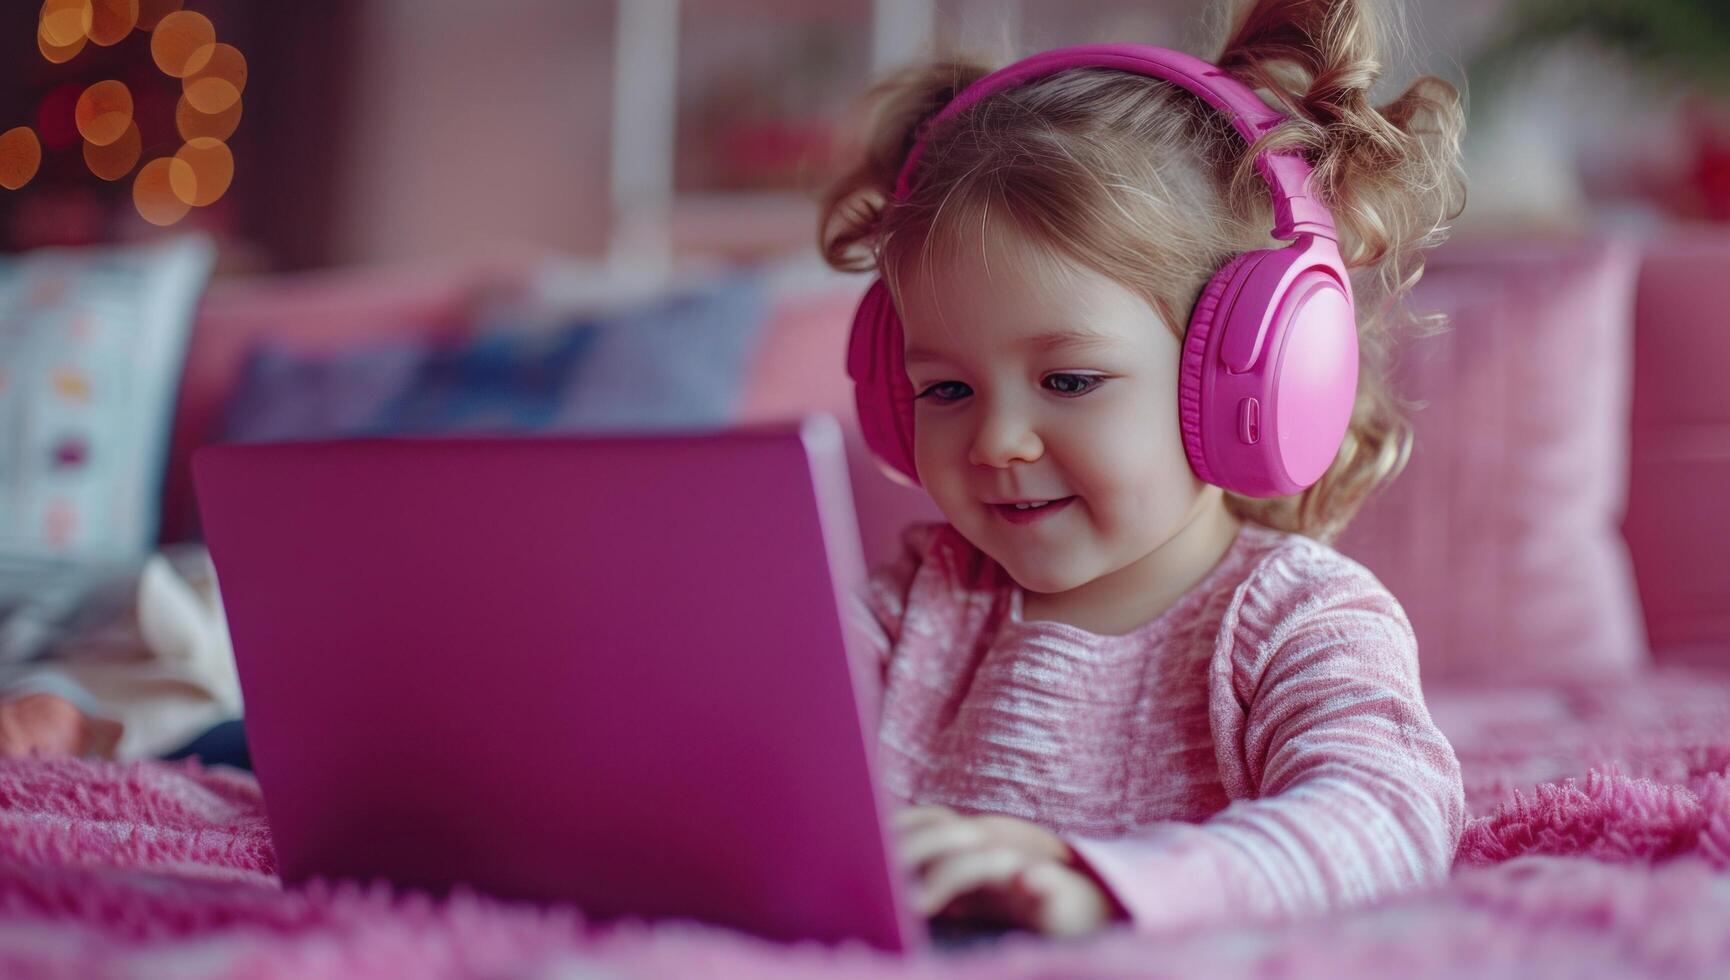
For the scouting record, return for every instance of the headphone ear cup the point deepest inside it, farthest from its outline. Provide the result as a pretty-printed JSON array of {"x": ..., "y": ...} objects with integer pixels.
[
  {"x": 881, "y": 392},
  {"x": 1195, "y": 363},
  {"x": 1265, "y": 416}
]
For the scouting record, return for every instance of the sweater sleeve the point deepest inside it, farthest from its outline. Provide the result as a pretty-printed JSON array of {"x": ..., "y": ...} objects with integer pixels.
[{"x": 1343, "y": 789}]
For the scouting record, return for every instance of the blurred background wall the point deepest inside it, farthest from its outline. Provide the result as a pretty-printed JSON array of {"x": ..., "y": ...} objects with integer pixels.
[{"x": 394, "y": 131}]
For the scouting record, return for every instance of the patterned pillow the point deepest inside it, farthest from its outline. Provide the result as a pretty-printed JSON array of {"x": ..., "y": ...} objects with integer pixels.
[
  {"x": 677, "y": 361},
  {"x": 91, "y": 347},
  {"x": 1502, "y": 538}
]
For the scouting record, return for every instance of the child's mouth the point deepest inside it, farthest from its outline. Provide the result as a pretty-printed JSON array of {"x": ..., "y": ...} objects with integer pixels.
[{"x": 1027, "y": 515}]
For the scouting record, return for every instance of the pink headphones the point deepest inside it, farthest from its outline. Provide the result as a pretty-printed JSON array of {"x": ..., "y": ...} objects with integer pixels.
[{"x": 1270, "y": 359}]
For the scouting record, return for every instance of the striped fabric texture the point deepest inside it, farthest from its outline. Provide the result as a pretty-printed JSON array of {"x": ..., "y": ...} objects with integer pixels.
[{"x": 1258, "y": 752}]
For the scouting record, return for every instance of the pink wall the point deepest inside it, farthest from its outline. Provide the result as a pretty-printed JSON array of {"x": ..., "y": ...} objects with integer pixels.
[{"x": 478, "y": 126}]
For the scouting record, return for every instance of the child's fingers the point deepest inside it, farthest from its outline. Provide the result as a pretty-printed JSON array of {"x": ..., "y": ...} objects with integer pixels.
[
  {"x": 1068, "y": 905},
  {"x": 1029, "y": 837},
  {"x": 965, "y": 872},
  {"x": 934, "y": 839},
  {"x": 909, "y": 817},
  {"x": 44, "y": 723}
]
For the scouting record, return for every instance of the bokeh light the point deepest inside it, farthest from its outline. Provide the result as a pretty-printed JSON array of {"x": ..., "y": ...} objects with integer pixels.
[
  {"x": 20, "y": 155},
  {"x": 182, "y": 43},
  {"x": 153, "y": 190},
  {"x": 219, "y": 83},
  {"x": 59, "y": 54},
  {"x": 65, "y": 22},
  {"x": 112, "y": 20},
  {"x": 208, "y": 172},
  {"x": 192, "y": 124},
  {"x": 117, "y": 159},
  {"x": 104, "y": 111},
  {"x": 151, "y": 12}
]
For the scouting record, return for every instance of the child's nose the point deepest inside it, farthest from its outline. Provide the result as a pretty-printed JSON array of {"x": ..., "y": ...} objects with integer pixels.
[{"x": 1004, "y": 438}]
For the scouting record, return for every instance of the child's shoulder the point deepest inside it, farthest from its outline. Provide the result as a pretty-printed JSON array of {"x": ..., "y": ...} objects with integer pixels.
[
  {"x": 1285, "y": 558},
  {"x": 1294, "y": 581}
]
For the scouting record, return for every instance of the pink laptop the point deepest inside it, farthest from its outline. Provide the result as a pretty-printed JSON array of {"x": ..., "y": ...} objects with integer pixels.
[{"x": 612, "y": 670}]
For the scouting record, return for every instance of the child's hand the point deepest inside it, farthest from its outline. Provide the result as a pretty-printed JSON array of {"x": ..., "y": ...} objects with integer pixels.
[
  {"x": 46, "y": 724},
  {"x": 998, "y": 868}
]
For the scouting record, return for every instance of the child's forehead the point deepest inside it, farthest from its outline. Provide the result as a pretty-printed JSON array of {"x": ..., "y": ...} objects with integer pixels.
[
  {"x": 996, "y": 255},
  {"x": 1005, "y": 288}
]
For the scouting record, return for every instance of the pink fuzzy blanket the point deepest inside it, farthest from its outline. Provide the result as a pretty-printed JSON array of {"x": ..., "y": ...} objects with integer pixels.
[{"x": 1599, "y": 846}]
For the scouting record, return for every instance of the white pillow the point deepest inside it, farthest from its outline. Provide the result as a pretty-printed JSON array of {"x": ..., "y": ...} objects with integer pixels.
[{"x": 92, "y": 342}]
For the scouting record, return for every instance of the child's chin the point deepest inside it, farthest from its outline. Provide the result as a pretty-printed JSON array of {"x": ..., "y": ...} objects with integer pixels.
[{"x": 1034, "y": 576}]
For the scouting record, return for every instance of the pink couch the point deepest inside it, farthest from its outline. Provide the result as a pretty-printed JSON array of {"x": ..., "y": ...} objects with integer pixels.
[{"x": 1678, "y": 514}]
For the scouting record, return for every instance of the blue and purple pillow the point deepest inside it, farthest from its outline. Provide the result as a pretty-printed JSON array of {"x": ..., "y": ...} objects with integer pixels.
[{"x": 678, "y": 362}]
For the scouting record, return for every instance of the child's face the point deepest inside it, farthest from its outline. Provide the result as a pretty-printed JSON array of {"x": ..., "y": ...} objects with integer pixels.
[{"x": 1000, "y": 420}]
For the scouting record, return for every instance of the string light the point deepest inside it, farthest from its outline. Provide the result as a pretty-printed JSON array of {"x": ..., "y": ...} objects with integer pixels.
[
  {"x": 153, "y": 190},
  {"x": 116, "y": 159},
  {"x": 192, "y": 124},
  {"x": 20, "y": 155},
  {"x": 219, "y": 83},
  {"x": 58, "y": 54},
  {"x": 183, "y": 45},
  {"x": 65, "y": 22},
  {"x": 104, "y": 111},
  {"x": 210, "y": 166},
  {"x": 111, "y": 21}
]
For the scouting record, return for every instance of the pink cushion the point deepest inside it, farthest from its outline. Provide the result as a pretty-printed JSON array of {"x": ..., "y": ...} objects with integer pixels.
[
  {"x": 1501, "y": 539},
  {"x": 1678, "y": 518}
]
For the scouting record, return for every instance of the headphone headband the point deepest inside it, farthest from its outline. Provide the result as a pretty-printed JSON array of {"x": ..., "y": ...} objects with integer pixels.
[{"x": 1296, "y": 210}]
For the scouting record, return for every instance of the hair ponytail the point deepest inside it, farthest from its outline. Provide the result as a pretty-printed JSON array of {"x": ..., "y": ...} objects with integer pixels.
[
  {"x": 893, "y": 109},
  {"x": 1391, "y": 174}
]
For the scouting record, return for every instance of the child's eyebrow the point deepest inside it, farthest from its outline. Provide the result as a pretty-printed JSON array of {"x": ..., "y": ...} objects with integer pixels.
[{"x": 1040, "y": 343}]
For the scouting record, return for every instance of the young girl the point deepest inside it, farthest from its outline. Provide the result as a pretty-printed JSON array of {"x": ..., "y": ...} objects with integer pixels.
[{"x": 1151, "y": 699}]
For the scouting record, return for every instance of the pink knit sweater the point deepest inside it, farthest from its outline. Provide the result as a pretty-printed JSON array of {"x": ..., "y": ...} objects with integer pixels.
[{"x": 1259, "y": 751}]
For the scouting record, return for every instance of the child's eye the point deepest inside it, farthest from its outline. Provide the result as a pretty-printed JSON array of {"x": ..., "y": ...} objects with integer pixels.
[
  {"x": 1068, "y": 390},
  {"x": 1093, "y": 379},
  {"x": 941, "y": 399}
]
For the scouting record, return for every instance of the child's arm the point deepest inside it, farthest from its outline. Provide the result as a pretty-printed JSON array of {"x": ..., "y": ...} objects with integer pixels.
[{"x": 1344, "y": 790}]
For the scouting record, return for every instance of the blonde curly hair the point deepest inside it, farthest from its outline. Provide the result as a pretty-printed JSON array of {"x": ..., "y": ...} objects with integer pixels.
[{"x": 1143, "y": 182}]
